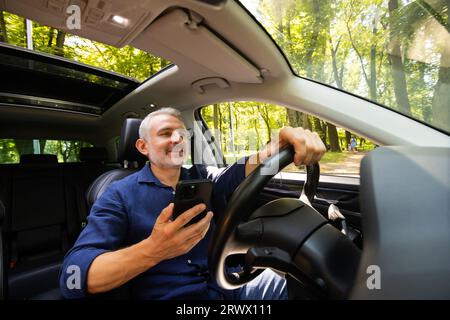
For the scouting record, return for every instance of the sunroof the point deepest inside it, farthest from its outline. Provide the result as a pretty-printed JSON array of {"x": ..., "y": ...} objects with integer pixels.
[
  {"x": 128, "y": 60},
  {"x": 35, "y": 79}
]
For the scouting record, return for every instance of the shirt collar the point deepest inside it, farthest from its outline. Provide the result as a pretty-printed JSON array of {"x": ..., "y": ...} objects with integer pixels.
[{"x": 146, "y": 175}]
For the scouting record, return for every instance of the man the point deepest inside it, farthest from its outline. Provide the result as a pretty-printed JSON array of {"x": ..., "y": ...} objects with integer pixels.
[
  {"x": 131, "y": 238},
  {"x": 353, "y": 144}
]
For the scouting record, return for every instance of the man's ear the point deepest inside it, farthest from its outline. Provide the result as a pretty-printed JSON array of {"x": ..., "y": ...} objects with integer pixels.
[{"x": 141, "y": 145}]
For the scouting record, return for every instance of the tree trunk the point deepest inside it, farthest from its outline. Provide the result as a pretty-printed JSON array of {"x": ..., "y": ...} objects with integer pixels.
[
  {"x": 424, "y": 100},
  {"x": 258, "y": 137},
  {"x": 264, "y": 112},
  {"x": 3, "y": 31},
  {"x": 60, "y": 38},
  {"x": 25, "y": 32},
  {"x": 216, "y": 122},
  {"x": 318, "y": 128},
  {"x": 294, "y": 118},
  {"x": 42, "y": 144},
  {"x": 309, "y": 54},
  {"x": 314, "y": 39},
  {"x": 398, "y": 71},
  {"x": 336, "y": 75},
  {"x": 441, "y": 97},
  {"x": 334, "y": 140},
  {"x": 373, "y": 70},
  {"x": 60, "y": 150},
  {"x": 222, "y": 135},
  {"x": 230, "y": 119},
  {"x": 305, "y": 122},
  {"x": 51, "y": 34}
]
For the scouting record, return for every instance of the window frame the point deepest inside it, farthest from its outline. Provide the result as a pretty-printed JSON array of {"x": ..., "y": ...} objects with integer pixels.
[{"x": 292, "y": 176}]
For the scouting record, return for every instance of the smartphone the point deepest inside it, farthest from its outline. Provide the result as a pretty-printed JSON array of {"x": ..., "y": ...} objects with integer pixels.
[{"x": 189, "y": 193}]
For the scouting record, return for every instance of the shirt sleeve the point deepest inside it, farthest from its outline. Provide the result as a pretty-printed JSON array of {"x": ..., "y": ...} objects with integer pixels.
[
  {"x": 105, "y": 231},
  {"x": 226, "y": 180}
]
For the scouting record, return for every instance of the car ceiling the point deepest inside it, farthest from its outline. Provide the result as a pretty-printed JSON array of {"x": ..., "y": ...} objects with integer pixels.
[{"x": 219, "y": 53}]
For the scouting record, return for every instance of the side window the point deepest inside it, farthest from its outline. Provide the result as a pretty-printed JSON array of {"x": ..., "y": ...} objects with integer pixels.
[
  {"x": 66, "y": 151},
  {"x": 242, "y": 128}
]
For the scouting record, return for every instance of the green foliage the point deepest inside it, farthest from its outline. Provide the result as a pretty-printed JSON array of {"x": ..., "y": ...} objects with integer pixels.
[
  {"x": 128, "y": 61},
  {"x": 252, "y": 125},
  {"x": 393, "y": 52},
  {"x": 66, "y": 151},
  {"x": 8, "y": 151}
]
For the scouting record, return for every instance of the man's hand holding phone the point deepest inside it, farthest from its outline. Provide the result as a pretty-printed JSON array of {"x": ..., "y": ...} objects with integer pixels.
[{"x": 170, "y": 239}]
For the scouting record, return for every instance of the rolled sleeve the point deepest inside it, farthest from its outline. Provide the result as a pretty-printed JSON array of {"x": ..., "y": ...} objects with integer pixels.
[
  {"x": 105, "y": 231},
  {"x": 73, "y": 274}
]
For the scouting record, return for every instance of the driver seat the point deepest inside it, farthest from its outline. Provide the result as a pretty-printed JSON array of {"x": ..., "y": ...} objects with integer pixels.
[
  {"x": 132, "y": 161},
  {"x": 128, "y": 155}
]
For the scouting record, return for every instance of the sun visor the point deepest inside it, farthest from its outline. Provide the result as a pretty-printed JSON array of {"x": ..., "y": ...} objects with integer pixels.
[{"x": 183, "y": 33}]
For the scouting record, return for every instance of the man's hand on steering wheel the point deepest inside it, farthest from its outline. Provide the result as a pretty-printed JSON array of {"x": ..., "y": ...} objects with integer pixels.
[{"x": 307, "y": 145}]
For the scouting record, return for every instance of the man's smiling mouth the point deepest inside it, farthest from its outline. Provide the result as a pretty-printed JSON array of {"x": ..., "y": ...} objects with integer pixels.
[{"x": 176, "y": 151}]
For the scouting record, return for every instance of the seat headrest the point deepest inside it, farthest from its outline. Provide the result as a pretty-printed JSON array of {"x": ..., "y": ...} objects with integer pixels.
[
  {"x": 93, "y": 154},
  {"x": 127, "y": 145},
  {"x": 38, "y": 159}
]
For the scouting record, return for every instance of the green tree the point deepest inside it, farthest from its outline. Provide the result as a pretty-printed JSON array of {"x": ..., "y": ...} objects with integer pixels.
[
  {"x": 128, "y": 61},
  {"x": 396, "y": 61},
  {"x": 3, "y": 32}
]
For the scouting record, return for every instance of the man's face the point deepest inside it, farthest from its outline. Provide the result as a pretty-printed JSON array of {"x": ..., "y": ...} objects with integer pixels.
[{"x": 168, "y": 141}]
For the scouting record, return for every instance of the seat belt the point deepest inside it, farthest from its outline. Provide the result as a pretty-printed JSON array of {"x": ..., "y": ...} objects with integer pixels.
[{"x": 82, "y": 207}]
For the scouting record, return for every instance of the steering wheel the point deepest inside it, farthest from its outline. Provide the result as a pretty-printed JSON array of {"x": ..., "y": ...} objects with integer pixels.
[{"x": 286, "y": 235}]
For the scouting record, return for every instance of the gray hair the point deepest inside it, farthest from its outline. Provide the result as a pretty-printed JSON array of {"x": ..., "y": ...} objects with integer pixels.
[{"x": 144, "y": 128}]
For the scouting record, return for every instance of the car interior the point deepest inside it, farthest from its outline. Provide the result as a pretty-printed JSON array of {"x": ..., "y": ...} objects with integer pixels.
[{"x": 396, "y": 212}]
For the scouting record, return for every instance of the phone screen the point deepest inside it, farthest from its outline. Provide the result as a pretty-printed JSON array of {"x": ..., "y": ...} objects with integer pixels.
[{"x": 190, "y": 193}]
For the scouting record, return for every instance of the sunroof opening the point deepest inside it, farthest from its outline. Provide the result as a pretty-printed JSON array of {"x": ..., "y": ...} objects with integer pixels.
[
  {"x": 127, "y": 61},
  {"x": 40, "y": 80},
  {"x": 44, "y": 67}
]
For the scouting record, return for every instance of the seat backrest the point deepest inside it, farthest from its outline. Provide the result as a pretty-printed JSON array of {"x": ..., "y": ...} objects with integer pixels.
[
  {"x": 96, "y": 155},
  {"x": 127, "y": 154},
  {"x": 38, "y": 209},
  {"x": 77, "y": 179}
]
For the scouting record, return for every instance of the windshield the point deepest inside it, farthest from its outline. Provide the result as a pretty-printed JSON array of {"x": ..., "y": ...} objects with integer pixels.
[{"x": 393, "y": 52}]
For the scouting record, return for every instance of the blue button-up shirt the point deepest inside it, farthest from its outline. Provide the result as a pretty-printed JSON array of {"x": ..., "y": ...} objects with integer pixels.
[{"x": 125, "y": 215}]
